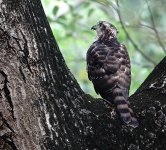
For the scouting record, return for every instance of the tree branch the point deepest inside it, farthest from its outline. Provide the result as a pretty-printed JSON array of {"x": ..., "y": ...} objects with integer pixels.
[
  {"x": 154, "y": 28},
  {"x": 129, "y": 37}
]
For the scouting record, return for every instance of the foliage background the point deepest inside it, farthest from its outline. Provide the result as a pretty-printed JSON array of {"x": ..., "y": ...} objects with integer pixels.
[{"x": 141, "y": 26}]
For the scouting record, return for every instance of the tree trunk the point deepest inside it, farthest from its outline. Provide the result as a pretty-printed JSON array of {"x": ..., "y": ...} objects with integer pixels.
[{"x": 42, "y": 105}]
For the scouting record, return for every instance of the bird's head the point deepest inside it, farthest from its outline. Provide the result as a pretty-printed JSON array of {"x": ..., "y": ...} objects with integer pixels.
[{"x": 105, "y": 30}]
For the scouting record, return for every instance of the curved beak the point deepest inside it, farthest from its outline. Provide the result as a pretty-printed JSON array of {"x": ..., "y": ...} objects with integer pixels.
[{"x": 94, "y": 27}]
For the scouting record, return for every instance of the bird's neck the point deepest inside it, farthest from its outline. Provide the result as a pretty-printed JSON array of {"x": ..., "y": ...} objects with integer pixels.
[{"x": 105, "y": 38}]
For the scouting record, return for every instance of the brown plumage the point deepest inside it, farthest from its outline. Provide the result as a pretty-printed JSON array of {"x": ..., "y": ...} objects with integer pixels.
[{"x": 108, "y": 67}]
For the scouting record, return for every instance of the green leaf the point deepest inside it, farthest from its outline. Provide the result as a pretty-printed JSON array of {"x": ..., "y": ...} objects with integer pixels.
[
  {"x": 90, "y": 12},
  {"x": 62, "y": 17},
  {"x": 85, "y": 4},
  {"x": 55, "y": 10}
]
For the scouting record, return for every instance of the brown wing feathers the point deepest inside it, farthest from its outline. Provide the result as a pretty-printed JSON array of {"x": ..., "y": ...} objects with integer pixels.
[{"x": 108, "y": 67}]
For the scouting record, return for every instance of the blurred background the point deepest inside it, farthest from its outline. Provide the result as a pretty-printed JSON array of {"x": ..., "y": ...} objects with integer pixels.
[{"x": 141, "y": 25}]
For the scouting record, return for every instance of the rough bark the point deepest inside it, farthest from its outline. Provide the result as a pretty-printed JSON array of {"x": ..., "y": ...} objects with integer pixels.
[{"x": 43, "y": 107}]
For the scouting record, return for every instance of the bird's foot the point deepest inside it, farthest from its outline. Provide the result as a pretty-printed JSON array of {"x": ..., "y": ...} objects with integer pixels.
[
  {"x": 113, "y": 112},
  {"x": 110, "y": 106},
  {"x": 108, "y": 102}
]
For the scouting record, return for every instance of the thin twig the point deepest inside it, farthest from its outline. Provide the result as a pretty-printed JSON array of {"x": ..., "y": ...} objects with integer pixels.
[
  {"x": 154, "y": 27},
  {"x": 147, "y": 26},
  {"x": 131, "y": 40}
]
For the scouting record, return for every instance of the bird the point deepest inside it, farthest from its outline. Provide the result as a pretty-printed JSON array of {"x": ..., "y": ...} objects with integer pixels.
[{"x": 109, "y": 69}]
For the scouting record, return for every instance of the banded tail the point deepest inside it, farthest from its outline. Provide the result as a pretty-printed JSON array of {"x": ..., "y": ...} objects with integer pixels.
[{"x": 123, "y": 107}]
